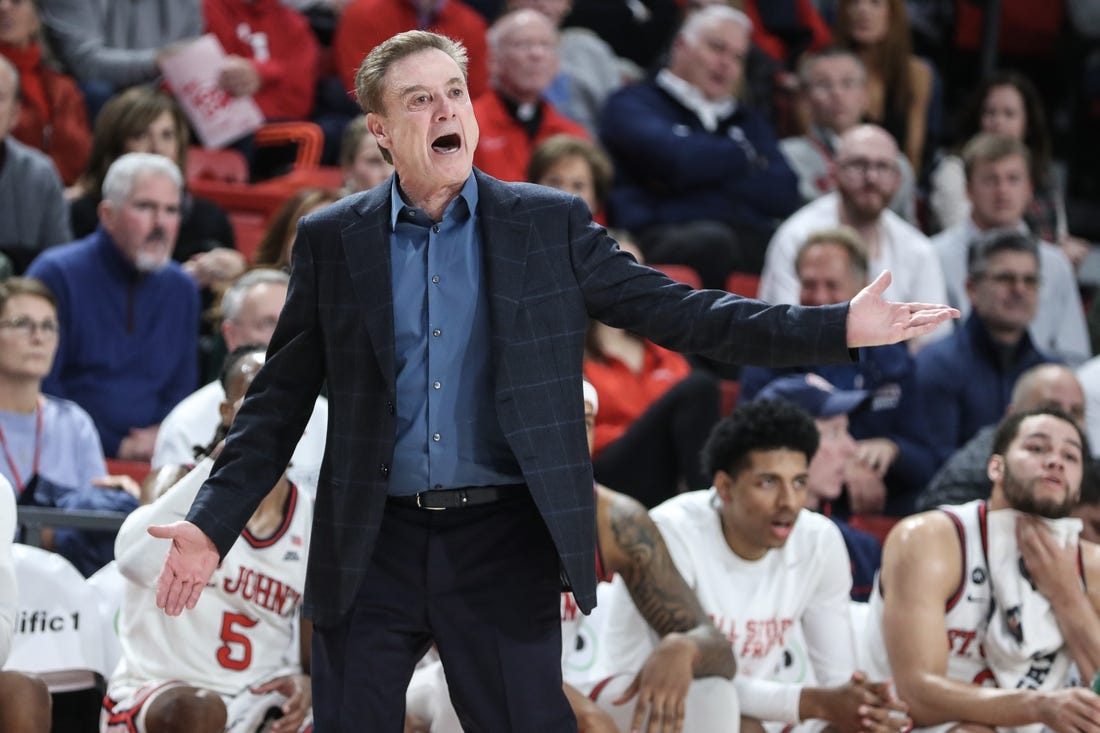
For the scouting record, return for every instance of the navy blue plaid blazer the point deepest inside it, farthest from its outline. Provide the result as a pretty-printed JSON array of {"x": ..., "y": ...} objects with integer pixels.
[{"x": 549, "y": 269}]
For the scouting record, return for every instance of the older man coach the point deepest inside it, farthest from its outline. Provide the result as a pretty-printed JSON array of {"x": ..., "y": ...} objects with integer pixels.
[{"x": 446, "y": 312}]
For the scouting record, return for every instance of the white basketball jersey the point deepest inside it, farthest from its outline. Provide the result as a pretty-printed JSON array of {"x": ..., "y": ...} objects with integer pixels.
[
  {"x": 245, "y": 626},
  {"x": 967, "y": 612},
  {"x": 755, "y": 604}
]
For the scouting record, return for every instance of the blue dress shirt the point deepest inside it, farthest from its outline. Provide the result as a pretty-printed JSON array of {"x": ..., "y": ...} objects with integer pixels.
[{"x": 448, "y": 432}]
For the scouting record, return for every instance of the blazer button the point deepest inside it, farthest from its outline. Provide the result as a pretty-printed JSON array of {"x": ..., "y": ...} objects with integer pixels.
[
  {"x": 384, "y": 469},
  {"x": 389, "y": 407}
]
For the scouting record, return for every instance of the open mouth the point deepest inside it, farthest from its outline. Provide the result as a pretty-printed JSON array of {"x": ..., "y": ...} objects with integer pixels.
[{"x": 447, "y": 143}]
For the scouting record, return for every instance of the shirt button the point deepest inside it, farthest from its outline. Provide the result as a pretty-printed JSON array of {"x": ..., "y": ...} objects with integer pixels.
[
  {"x": 435, "y": 278},
  {"x": 436, "y": 437},
  {"x": 384, "y": 469},
  {"x": 389, "y": 407},
  {"x": 436, "y": 385},
  {"x": 436, "y": 333},
  {"x": 436, "y": 229}
]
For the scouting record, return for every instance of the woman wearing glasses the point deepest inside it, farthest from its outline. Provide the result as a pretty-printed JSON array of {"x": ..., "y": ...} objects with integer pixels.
[{"x": 49, "y": 448}]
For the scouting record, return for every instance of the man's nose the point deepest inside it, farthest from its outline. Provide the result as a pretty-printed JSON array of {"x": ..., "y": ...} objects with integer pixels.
[{"x": 445, "y": 108}]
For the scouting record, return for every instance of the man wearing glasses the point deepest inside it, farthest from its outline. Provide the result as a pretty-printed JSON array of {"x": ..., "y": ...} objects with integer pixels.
[
  {"x": 867, "y": 178},
  {"x": 965, "y": 381},
  {"x": 833, "y": 86},
  {"x": 998, "y": 184}
]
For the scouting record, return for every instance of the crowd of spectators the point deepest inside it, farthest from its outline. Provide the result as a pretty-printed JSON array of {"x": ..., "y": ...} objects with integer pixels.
[{"x": 809, "y": 145}]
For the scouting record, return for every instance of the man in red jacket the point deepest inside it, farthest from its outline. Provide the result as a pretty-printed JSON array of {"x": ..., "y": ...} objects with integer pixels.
[
  {"x": 366, "y": 23},
  {"x": 513, "y": 116},
  {"x": 272, "y": 55}
]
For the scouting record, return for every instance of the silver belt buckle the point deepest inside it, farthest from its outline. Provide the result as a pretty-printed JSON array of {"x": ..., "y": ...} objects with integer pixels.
[{"x": 427, "y": 508}]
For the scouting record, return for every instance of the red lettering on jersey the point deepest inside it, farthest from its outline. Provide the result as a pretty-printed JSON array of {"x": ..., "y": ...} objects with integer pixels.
[
  {"x": 764, "y": 635},
  {"x": 569, "y": 608},
  {"x": 959, "y": 640},
  {"x": 984, "y": 678},
  {"x": 263, "y": 591}
]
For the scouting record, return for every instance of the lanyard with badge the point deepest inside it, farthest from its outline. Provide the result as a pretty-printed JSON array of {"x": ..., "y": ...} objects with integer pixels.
[{"x": 16, "y": 478}]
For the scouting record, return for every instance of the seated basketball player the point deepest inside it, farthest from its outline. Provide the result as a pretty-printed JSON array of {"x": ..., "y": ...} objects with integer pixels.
[{"x": 239, "y": 662}]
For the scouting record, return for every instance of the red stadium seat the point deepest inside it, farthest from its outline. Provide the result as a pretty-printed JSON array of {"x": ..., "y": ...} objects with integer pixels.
[
  {"x": 681, "y": 273},
  {"x": 248, "y": 230},
  {"x": 209, "y": 164},
  {"x": 137, "y": 470},
  {"x": 743, "y": 283}
]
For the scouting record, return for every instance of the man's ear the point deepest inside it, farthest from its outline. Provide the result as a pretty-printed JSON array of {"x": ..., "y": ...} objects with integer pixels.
[
  {"x": 376, "y": 126},
  {"x": 723, "y": 482},
  {"x": 995, "y": 469},
  {"x": 105, "y": 211}
]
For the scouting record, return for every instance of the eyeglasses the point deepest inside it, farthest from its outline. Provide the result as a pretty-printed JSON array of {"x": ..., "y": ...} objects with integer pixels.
[
  {"x": 846, "y": 84},
  {"x": 1009, "y": 279},
  {"x": 28, "y": 326},
  {"x": 862, "y": 166}
]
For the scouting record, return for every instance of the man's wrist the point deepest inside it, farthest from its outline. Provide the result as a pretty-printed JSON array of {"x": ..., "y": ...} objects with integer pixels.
[{"x": 811, "y": 704}]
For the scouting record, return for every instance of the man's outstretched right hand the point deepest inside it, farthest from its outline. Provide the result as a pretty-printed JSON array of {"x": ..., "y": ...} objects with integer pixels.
[{"x": 191, "y": 561}]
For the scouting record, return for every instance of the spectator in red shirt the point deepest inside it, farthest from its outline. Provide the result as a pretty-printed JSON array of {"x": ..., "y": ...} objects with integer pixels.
[
  {"x": 366, "y": 23},
  {"x": 272, "y": 55},
  {"x": 52, "y": 115},
  {"x": 514, "y": 117}
]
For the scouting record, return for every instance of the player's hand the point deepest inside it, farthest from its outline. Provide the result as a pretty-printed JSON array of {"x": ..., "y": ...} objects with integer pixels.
[
  {"x": 1052, "y": 567},
  {"x": 593, "y": 719},
  {"x": 121, "y": 482},
  {"x": 299, "y": 699},
  {"x": 191, "y": 561},
  {"x": 661, "y": 686},
  {"x": 857, "y": 706},
  {"x": 873, "y": 321},
  {"x": 866, "y": 489},
  {"x": 1071, "y": 710}
]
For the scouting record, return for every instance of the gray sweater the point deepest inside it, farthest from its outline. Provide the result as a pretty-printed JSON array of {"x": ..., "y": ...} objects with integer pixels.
[
  {"x": 117, "y": 40},
  {"x": 32, "y": 204}
]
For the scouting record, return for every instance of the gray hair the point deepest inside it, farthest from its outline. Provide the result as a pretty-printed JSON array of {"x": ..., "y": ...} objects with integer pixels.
[
  {"x": 234, "y": 295},
  {"x": 507, "y": 22},
  {"x": 122, "y": 176},
  {"x": 993, "y": 242},
  {"x": 371, "y": 76},
  {"x": 708, "y": 16}
]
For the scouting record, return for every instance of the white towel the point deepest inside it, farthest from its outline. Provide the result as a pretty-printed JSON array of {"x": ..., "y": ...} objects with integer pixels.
[{"x": 1023, "y": 645}]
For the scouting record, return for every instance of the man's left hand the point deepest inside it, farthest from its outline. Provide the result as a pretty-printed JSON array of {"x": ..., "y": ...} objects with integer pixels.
[
  {"x": 874, "y": 321},
  {"x": 299, "y": 698},
  {"x": 662, "y": 686},
  {"x": 1052, "y": 567}
]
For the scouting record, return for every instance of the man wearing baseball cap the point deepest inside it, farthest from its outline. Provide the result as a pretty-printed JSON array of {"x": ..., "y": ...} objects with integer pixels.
[{"x": 830, "y": 408}]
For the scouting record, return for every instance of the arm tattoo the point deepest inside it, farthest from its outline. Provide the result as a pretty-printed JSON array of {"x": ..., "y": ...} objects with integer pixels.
[{"x": 658, "y": 590}]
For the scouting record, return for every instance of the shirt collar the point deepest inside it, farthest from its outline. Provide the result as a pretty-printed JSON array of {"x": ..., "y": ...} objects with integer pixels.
[
  {"x": 826, "y": 137},
  {"x": 468, "y": 196},
  {"x": 708, "y": 112}
]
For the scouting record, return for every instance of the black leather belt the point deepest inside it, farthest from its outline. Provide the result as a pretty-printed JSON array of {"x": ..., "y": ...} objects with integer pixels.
[{"x": 440, "y": 499}]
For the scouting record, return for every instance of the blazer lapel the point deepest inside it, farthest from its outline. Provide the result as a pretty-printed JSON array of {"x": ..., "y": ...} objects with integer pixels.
[
  {"x": 365, "y": 236},
  {"x": 505, "y": 240}
]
